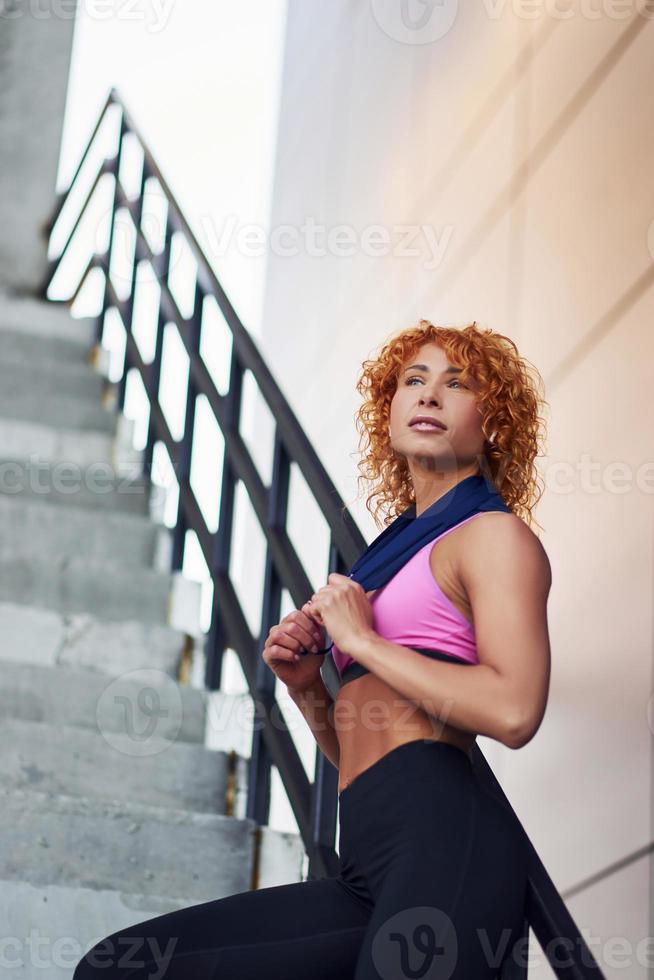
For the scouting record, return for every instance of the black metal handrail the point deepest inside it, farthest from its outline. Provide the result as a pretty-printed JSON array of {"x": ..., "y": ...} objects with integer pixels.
[{"x": 314, "y": 804}]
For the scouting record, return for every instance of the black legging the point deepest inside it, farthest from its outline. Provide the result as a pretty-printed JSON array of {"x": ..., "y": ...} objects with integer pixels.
[{"x": 431, "y": 885}]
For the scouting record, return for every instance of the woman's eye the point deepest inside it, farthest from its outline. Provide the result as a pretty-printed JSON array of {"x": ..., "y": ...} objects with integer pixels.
[{"x": 416, "y": 377}]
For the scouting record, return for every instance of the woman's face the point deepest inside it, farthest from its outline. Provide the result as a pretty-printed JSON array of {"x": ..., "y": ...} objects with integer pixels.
[{"x": 428, "y": 385}]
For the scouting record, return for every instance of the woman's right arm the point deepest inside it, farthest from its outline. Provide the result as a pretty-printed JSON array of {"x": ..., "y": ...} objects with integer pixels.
[
  {"x": 300, "y": 672},
  {"x": 315, "y": 702}
]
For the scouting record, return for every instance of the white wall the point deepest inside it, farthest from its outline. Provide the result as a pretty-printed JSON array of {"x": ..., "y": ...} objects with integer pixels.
[
  {"x": 202, "y": 83},
  {"x": 522, "y": 143}
]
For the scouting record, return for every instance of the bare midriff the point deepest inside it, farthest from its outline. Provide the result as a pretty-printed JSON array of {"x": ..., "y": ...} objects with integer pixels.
[{"x": 371, "y": 718}]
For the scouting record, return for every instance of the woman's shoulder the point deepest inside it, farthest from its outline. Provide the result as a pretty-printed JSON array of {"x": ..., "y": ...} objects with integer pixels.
[{"x": 506, "y": 537}]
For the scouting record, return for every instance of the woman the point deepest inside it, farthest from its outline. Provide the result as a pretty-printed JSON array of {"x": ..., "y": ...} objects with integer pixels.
[{"x": 432, "y": 869}]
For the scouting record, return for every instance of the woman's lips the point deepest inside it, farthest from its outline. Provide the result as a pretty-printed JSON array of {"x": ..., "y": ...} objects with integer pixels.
[{"x": 426, "y": 427}]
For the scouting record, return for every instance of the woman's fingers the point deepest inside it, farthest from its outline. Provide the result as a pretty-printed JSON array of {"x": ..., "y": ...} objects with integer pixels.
[
  {"x": 313, "y": 614},
  {"x": 297, "y": 632},
  {"x": 277, "y": 647},
  {"x": 311, "y": 625},
  {"x": 278, "y": 652},
  {"x": 293, "y": 636}
]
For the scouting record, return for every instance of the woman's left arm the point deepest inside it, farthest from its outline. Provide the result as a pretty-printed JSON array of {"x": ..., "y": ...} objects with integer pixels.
[{"x": 507, "y": 577}]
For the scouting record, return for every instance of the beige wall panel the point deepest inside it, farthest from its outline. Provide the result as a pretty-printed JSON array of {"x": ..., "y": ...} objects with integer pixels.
[{"x": 589, "y": 208}]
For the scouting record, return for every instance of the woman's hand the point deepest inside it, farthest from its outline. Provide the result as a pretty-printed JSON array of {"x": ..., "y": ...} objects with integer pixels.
[
  {"x": 343, "y": 608},
  {"x": 297, "y": 631}
]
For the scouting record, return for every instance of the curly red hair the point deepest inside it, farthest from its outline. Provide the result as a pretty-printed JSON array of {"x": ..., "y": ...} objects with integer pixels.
[{"x": 510, "y": 393}]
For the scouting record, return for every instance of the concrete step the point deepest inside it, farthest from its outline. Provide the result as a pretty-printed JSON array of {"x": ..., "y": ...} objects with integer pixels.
[
  {"x": 46, "y": 638},
  {"x": 51, "y": 378},
  {"x": 98, "y": 487},
  {"x": 130, "y": 847},
  {"x": 41, "y": 348},
  {"x": 43, "y": 443},
  {"x": 68, "y": 921},
  {"x": 43, "y": 318},
  {"x": 60, "y": 410},
  {"x": 53, "y": 926},
  {"x": 39, "y": 528},
  {"x": 107, "y": 589},
  {"x": 137, "y": 764},
  {"x": 97, "y": 702}
]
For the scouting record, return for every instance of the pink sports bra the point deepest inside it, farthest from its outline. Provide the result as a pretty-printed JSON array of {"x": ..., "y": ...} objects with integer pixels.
[{"x": 413, "y": 610}]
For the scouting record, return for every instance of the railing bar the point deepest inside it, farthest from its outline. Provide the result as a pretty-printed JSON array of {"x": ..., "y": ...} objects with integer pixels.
[
  {"x": 265, "y": 680},
  {"x": 128, "y": 305},
  {"x": 107, "y": 167},
  {"x": 324, "y": 812},
  {"x": 192, "y": 343},
  {"x": 151, "y": 378},
  {"x": 286, "y": 560},
  {"x": 280, "y": 743},
  {"x": 280, "y": 547},
  {"x": 291, "y": 769},
  {"x": 545, "y": 923},
  {"x": 347, "y": 535},
  {"x": 90, "y": 265},
  {"x": 230, "y": 409},
  {"x": 200, "y": 373},
  {"x": 297, "y": 444},
  {"x": 115, "y": 165},
  {"x": 61, "y": 198}
]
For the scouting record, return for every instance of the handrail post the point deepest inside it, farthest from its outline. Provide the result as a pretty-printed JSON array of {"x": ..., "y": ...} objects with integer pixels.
[
  {"x": 152, "y": 381},
  {"x": 193, "y": 326},
  {"x": 222, "y": 540},
  {"x": 151, "y": 385},
  {"x": 114, "y": 168},
  {"x": 324, "y": 812},
  {"x": 261, "y": 761},
  {"x": 129, "y": 308}
]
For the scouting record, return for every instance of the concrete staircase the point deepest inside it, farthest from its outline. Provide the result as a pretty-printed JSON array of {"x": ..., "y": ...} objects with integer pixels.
[{"x": 114, "y": 807}]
